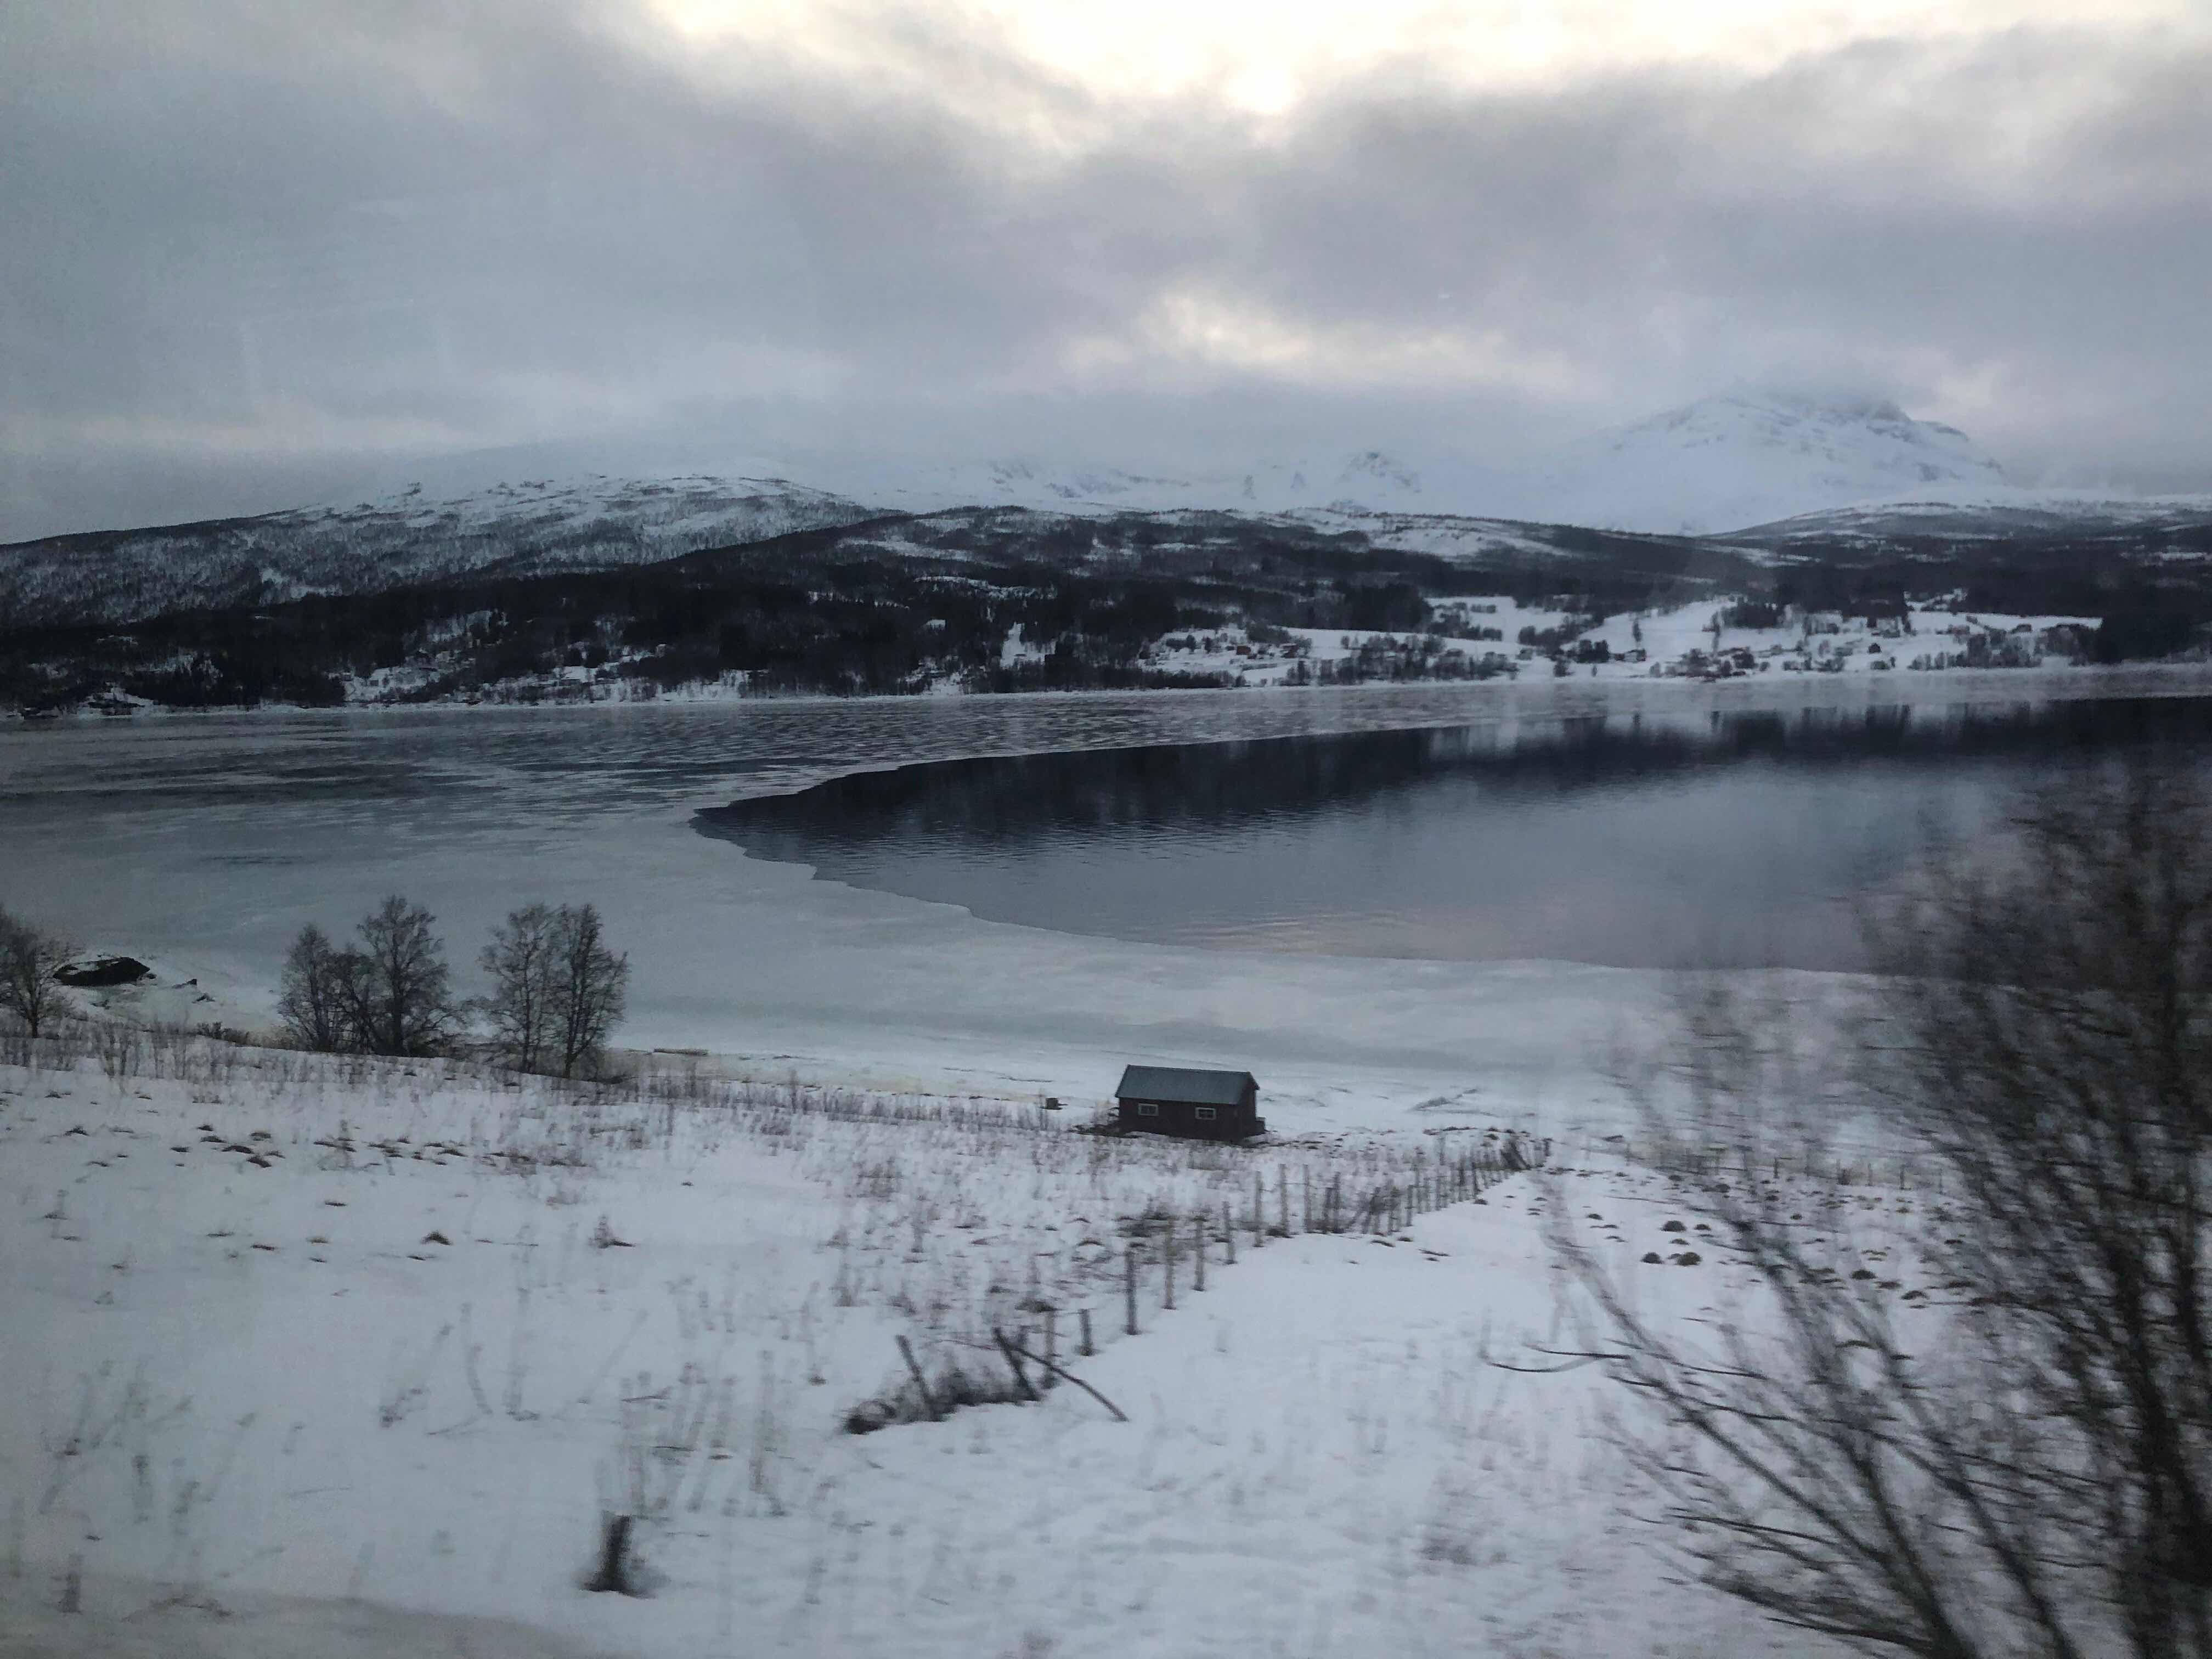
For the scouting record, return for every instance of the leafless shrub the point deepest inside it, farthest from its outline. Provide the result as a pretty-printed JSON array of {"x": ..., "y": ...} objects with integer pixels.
[
  {"x": 29, "y": 961},
  {"x": 557, "y": 991},
  {"x": 119, "y": 1048},
  {"x": 590, "y": 988},
  {"x": 312, "y": 1001},
  {"x": 2026, "y": 1467},
  {"x": 390, "y": 996},
  {"x": 522, "y": 963}
]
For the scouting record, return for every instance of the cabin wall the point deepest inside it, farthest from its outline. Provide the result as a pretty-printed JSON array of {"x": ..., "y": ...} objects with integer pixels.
[{"x": 1179, "y": 1118}]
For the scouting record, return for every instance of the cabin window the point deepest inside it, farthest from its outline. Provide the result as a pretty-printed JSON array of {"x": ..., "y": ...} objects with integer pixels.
[
  {"x": 1147, "y": 1108},
  {"x": 1206, "y": 1115}
]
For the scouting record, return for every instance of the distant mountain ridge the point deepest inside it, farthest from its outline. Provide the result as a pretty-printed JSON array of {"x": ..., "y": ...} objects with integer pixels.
[
  {"x": 1725, "y": 463},
  {"x": 1774, "y": 469},
  {"x": 519, "y": 529},
  {"x": 1989, "y": 515}
]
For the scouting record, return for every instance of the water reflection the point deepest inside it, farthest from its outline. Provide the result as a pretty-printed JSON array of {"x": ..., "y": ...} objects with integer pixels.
[{"x": 1701, "y": 838}]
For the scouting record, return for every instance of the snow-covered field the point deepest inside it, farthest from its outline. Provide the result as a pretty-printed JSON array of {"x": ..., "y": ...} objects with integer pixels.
[
  {"x": 361, "y": 1440},
  {"x": 353, "y": 1358},
  {"x": 1694, "y": 641}
]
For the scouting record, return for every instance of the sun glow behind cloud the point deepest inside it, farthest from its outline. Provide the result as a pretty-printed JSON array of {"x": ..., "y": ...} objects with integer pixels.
[
  {"x": 1201, "y": 332},
  {"x": 1263, "y": 57}
]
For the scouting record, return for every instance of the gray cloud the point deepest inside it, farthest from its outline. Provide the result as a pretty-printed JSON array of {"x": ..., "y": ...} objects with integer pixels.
[{"x": 256, "y": 249}]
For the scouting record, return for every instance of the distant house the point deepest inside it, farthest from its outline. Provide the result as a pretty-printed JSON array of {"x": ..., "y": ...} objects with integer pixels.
[{"x": 1171, "y": 1100}]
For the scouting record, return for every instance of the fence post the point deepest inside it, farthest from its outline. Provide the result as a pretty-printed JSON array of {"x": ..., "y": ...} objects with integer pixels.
[
  {"x": 921, "y": 1382},
  {"x": 1129, "y": 1286},
  {"x": 1083, "y": 1314},
  {"x": 1167, "y": 1265},
  {"x": 1228, "y": 1234},
  {"x": 1198, "y": 1243},
  {"x": 1051, "y": 1342},
  {"x": 1259, "y": 1209},
  {"x": 1283, "y": 1198}
]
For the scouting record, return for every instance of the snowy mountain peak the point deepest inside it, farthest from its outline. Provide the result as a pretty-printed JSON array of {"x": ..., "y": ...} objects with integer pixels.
[
  {"x": 1749, "y": 457},
  {"x": 1373, "y": 466}
]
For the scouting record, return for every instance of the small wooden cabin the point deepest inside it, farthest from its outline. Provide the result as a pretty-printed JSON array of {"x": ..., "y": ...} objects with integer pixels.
[{"x": 1172, "y": 1100}]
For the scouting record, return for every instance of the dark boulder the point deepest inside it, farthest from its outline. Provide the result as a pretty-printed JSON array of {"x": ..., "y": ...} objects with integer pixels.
[{"x": 103, "y": 972}]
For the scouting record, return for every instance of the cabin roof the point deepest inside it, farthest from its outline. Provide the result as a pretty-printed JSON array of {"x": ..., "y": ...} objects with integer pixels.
[{"x": 1184, "y": 1086}]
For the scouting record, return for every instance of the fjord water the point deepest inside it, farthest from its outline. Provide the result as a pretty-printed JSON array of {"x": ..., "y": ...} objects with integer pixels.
[
  {"x": 1701, "y": 838},
  {"x": 1614, "y": 824}
]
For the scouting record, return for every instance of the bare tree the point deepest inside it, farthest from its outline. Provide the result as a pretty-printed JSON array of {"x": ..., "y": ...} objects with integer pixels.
[
  {"x": 591, "y": 990},
  {"x": 525, "y": 960},
  {"x": 396, "y": 1000},
  {"x": 317, "y": 993},
  {"x": 2022, "y": 1464},
  {"x": 28, "y": 960}
]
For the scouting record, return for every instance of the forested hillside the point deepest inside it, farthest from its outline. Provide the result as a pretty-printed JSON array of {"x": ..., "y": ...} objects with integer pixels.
[{"x": 995, "y": 599}]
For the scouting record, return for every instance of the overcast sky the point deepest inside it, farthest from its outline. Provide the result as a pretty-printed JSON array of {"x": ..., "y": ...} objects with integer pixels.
[{"x": 255, "y": 250}]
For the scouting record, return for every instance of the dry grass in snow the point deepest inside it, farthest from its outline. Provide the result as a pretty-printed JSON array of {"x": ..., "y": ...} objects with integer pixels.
[{"x": 391, "y": 1339}]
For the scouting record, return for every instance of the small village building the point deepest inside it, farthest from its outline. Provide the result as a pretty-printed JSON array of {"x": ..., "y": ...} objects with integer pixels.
[{"x": 1172, "y": 1100}]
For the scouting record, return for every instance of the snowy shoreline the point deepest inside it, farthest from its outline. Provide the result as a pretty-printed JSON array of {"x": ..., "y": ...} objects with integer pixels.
[{"x": 2066, "y": 682}]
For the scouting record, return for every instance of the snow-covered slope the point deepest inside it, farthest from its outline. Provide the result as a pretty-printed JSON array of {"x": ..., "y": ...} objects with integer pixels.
[
  {"x": 1739, "y": 459},
  {"x": 515, "y": 528},
  {"x": 461, "y": 524},
  {"x": 1749, "y": 458},
  {"x": 1991, "y": 514},
  {"x": 1365, "y": 481}
]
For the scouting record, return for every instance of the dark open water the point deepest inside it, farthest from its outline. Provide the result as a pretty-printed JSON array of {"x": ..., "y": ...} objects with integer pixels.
[{"x": 1698, "y": 838}]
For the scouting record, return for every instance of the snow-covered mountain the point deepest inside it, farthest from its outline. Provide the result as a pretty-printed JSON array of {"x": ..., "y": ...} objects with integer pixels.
[
  {"x": 518, "y": 528},
  {"x": 1745, "y": 458},
  {"x": 1993, "y": 514},
  {"x": 1723, "y": 463},
  {"x": 1782, "y": 466},
  {"x": 1362, "y": 480}
]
